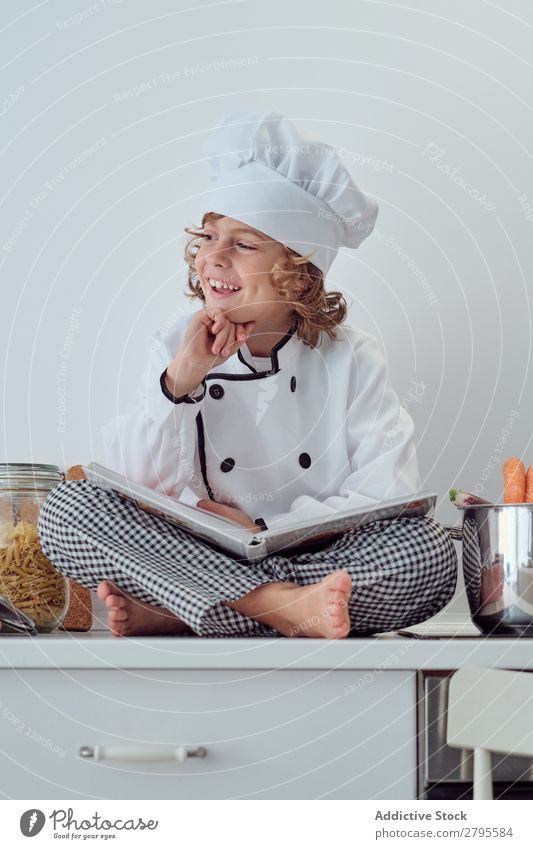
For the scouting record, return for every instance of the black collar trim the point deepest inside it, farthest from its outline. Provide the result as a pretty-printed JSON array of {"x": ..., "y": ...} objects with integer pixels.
[
  {"x": 243, "y": 361},
  {"x": 257, "y": 374}
]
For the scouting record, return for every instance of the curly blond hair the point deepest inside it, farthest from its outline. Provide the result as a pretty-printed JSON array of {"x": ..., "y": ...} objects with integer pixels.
[{"x": 300, "y": 283}]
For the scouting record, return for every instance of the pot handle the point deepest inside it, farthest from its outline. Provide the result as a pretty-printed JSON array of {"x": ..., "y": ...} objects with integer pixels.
[{"x": 454, "y": 531}]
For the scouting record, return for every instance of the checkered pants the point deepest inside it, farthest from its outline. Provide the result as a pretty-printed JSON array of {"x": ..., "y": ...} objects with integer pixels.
[{"x": 403, "y": 570}]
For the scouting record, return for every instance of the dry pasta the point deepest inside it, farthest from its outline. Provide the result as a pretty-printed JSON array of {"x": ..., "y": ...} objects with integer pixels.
[{"x": 27, "y": 577}]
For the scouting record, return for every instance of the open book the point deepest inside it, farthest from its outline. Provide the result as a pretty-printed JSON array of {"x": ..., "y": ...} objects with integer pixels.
[{"x": 236, "y": 540}]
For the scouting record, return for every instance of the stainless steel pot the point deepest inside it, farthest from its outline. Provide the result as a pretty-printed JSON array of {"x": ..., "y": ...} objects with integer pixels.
[{"x": 497, "y": 555}]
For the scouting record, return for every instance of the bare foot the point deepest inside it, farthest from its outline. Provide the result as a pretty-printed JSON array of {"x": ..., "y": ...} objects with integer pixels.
[
  {"x": 314, "y": 610},
  {"x": 321, "y": 610},
  {"x": 129, "y": 617}
]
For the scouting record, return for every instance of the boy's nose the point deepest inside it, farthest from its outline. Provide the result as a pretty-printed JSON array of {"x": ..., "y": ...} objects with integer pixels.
[{"x": 221, "y": 261}]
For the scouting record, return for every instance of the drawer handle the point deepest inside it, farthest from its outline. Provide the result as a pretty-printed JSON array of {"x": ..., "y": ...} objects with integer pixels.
[{"x": 142, "y": 753}]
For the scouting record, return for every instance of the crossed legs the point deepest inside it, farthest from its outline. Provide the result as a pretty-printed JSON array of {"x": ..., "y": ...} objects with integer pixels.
[
  {"x": 315, "y": 610},
  {"x": 156, "y": 579}
]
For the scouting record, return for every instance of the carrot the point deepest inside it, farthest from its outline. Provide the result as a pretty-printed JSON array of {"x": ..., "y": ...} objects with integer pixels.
[
  {"x": 529, "y": 484},
  {"x": 514, "y": 481}
]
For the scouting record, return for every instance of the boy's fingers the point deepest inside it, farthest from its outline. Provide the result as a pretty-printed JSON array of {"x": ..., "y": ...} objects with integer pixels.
[
  {"x": 243, "y": 332},
  {"x": 206, "y": 317},
  {"x": 221, "y": 339},
  {"x": 245, "y": 329},
  {"x": 220, "y": 323},
  {"x": 229, "y": 335},
  {"x": 230, "y": 341}
]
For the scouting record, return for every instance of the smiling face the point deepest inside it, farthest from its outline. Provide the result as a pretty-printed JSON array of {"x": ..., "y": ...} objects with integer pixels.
[{"x": 231, "y": 254}]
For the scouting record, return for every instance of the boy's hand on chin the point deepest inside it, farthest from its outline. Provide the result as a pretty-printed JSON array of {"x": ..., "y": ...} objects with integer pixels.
[
  {"x": 226, "y": 336},
  {"x": 228, "y": 512},
  {"x": 210, "y": 338}
]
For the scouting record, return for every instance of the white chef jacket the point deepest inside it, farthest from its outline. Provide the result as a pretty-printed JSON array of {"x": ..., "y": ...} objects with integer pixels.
[{"x": 297, "y": 435}]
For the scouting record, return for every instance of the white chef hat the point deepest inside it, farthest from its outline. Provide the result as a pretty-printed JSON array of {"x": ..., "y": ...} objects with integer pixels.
[{"x": 267, "y": 174}]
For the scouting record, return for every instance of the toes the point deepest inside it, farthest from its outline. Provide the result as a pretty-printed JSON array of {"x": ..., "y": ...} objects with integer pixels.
[
  {"x": 107, "y": 588},
  {"x": 338, "y": 582},
  {"x": 337, "y": 600},
  {"x": 337, "y": 617},
  {"x": 117, "y": 614},
  {"x": 118, "y": 623},
  {"x": 103, "y": 589},
  {"x": 117, "y": 601},
  {"x": 341, "y": 626}
]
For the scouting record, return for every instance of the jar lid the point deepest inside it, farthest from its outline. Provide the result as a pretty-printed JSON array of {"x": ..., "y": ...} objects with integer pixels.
[{"x": 29, "y": 476}]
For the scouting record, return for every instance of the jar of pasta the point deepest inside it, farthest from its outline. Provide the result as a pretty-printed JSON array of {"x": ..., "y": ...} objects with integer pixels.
[{"x": 27, "y": 578}]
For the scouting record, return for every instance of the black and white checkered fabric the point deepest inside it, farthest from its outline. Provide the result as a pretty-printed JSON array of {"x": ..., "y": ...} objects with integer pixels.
[{"x": 403, "y": 570}]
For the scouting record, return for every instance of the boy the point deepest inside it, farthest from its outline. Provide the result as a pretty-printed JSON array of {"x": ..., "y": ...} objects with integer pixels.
[{"x": 262, "y": 397}]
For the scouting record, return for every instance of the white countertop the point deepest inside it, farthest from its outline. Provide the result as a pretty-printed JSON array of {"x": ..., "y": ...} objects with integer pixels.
[{"x": 97, "y": 649}]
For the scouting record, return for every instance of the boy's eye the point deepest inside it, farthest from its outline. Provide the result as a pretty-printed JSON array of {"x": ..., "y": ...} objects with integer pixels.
[{"x": 209, "y": 237}]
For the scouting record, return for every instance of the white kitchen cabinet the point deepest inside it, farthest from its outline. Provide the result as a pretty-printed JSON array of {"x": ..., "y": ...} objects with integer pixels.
[{"x": 268, "y": 733}]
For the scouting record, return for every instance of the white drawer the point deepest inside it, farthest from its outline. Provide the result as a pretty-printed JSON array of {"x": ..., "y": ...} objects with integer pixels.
[{"x": 268, "y": 734}]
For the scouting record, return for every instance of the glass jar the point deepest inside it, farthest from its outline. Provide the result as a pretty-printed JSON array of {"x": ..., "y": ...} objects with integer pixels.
[{"x": 27, "y": 578}]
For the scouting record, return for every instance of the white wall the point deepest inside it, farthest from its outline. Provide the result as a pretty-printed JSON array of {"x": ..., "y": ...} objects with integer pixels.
[{"x": 431, "y": 107}]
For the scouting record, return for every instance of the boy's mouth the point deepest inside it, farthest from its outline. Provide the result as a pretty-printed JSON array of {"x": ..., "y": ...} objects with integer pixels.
[{"x": 221, "y": 289}]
